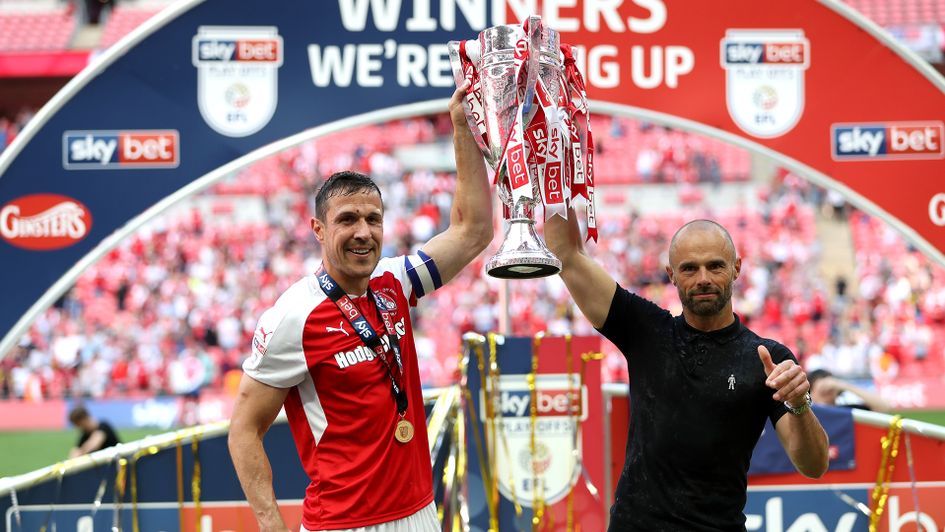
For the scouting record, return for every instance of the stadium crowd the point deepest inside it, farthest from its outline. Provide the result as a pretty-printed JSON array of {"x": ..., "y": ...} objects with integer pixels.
[
  {"x": 173, "y": 308},
  {"x": 10, "y": 126}
]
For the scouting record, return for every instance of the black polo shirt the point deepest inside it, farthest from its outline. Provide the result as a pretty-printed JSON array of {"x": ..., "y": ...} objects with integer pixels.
[
  {"x": 698, "y": 404},
  {"x": 111, "y": 438}
]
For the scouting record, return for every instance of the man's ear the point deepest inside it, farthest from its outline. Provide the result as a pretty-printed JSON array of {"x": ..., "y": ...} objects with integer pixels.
[
  {"x": 318, "y": 229},
  {"x": 738, "y": 267},
  {"x": 669, "y": 273}
]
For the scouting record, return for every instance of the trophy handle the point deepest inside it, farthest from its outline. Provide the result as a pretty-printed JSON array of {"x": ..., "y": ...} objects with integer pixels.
[
  {"x": 534, "y": 52},
  {"x": 456, "y": 63}
]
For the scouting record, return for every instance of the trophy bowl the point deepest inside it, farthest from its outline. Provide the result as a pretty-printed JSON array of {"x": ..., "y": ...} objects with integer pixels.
[{"x": 503, "y": 92}]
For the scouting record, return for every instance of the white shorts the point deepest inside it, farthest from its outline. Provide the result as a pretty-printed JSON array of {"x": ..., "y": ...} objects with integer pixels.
[{"x": 423, "y": 520}]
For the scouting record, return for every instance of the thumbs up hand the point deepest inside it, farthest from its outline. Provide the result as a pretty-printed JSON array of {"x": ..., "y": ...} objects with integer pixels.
[{"x": 787, "y": 378}]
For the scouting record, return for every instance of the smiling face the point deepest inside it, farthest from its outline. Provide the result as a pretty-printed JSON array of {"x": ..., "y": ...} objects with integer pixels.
[
  {"x": 351, "y": 236},
  {"x": 703, "y": 267}
]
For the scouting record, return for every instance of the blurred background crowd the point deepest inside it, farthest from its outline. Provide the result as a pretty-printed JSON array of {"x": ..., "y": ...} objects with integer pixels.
[{"x": 173, "y": 308}]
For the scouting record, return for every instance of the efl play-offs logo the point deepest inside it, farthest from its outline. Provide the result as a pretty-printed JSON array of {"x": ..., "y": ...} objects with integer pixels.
[
  {"x": 887, "y": 140},
  {"x": 97, "y": 150},
  {"x": 44, "y": 221},
  {"x": 764, "y": 78},
  {"x": 237, "y": 76}
]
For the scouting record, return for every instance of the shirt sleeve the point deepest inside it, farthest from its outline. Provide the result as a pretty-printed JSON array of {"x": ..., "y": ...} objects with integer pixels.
[
  {"x": 779, "y": 353},
  {"x": 278, "y": 359},
  {"x": 630, "y": 317}
]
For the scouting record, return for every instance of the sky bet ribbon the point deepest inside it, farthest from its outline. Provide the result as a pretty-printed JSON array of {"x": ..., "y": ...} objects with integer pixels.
[{"x": 367, "y": 334}]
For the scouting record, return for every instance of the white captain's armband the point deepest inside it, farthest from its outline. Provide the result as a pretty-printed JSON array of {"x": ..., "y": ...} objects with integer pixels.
[{"x": 423, "y": 274}]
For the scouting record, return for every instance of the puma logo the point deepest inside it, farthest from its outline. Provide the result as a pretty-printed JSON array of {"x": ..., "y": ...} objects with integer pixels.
[
  {"x": 340, "y": 328},
  {"x": 264, "y": 333}
]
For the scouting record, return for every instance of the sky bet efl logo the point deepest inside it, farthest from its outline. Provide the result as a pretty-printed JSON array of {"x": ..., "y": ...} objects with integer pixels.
[
  {"x": 560, "y": 402},
  {"x": 237, "y": 76},
  {"x": 100, "y": 150},
  {"x": 764, "y": 79},
  {"x": 888, "y": 140}
]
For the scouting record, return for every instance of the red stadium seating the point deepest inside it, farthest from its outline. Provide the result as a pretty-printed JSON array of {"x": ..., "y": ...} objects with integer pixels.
[
  {"x": 122, "y": 20},
  {"x": 32, "y": 31},
  {"x": 900, "y": 12}
]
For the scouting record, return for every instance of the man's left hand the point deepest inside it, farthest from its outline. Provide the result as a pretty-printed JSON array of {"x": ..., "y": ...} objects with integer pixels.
[{"x": 787, "y": 379}]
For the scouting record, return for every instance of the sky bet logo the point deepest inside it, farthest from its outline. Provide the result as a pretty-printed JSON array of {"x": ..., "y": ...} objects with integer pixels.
[
  {"x": 244, "y": 50},
  {"x": 889, "y": 140},
  {"x": 551, "y": 402},
  {"x": 766, "y": 53},
  {"x": 100, "y": 150}
]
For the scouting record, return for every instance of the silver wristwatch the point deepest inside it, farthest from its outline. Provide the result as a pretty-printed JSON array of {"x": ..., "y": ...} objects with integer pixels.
[{"x": 798, "y": 410}]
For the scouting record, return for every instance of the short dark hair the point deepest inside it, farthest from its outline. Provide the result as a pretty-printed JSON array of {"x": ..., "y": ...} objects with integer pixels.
[
  {"x": 343, "y": 184},
  {"x": 816, "y": 375},
  {"x": 77, "y": 414}
]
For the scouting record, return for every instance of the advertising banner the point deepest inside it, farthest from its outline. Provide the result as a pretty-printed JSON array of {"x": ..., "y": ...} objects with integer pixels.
[
  {"x": 769, "y": 455},
  {"x": 209, "y": 86},
  {"x": 905, "y": 393}
]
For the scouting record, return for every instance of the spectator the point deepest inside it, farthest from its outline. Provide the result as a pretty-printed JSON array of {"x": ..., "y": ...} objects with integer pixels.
[
  {"x": 826, "y": 389},
  {"x": 94, "y": 435}
]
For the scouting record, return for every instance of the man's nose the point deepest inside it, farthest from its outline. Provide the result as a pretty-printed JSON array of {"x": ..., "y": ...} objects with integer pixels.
[
  {"x": 703, "y": 276},
  {"x": 362, "y": 229}
]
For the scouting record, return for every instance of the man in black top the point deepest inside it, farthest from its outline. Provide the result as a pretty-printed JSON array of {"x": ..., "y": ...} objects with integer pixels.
[
  {"x": 825, "y": 389},
  {"x": 700, "y": 385},
  {"x": 95, "y": 435}
]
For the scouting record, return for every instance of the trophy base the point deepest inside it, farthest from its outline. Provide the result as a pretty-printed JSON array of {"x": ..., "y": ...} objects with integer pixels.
[{"x": 523, "y": 266}]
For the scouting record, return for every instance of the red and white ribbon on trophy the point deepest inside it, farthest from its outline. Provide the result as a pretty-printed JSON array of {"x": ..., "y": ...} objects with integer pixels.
[
  {"x": 582, "y": 140},
  {"x": 550, "y": 136}
]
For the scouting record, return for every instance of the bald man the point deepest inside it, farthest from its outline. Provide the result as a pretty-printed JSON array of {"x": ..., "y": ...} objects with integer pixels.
[{"x": 701, "y": 385}]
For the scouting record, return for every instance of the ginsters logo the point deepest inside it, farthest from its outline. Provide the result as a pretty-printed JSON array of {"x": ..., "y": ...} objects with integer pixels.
[
  {"x": 237, "y": 76},
  {"x": 44, "y": 222},
  {"x": 551, "y": 471},
  {"x": 764, "y": 81}
]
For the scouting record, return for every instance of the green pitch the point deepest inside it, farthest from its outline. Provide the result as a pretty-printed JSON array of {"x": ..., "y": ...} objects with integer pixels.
[
  {"x": 936, "y": 417},
  {"x": 30, "y": 450}
]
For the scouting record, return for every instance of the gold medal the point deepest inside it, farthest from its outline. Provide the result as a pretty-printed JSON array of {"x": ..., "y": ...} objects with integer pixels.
[{"x": 404, "y": 431}]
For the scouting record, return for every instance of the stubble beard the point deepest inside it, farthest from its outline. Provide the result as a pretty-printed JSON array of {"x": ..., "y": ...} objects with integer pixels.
[{"x": 706, "y": 308}]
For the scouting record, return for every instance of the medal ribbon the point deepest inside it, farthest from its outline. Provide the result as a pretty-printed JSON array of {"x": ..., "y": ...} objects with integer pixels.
[{"x": 361, "y": 326}]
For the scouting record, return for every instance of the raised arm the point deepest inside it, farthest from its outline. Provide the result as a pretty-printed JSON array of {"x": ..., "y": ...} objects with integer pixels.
[
  {"x": 590, "y": 285},
  {"x": 803, "y": 438},
  {"x": 873, "y": 401},
  {"x": 470, "y": 229},
  {"x": 256, "y": 407}
]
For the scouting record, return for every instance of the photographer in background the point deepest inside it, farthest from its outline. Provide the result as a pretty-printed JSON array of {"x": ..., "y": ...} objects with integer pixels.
[{"x": 825, "y": 389}]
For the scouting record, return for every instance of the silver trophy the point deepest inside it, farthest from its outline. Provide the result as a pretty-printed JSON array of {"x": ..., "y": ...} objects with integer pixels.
[{"x": 491, "y": 109}]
